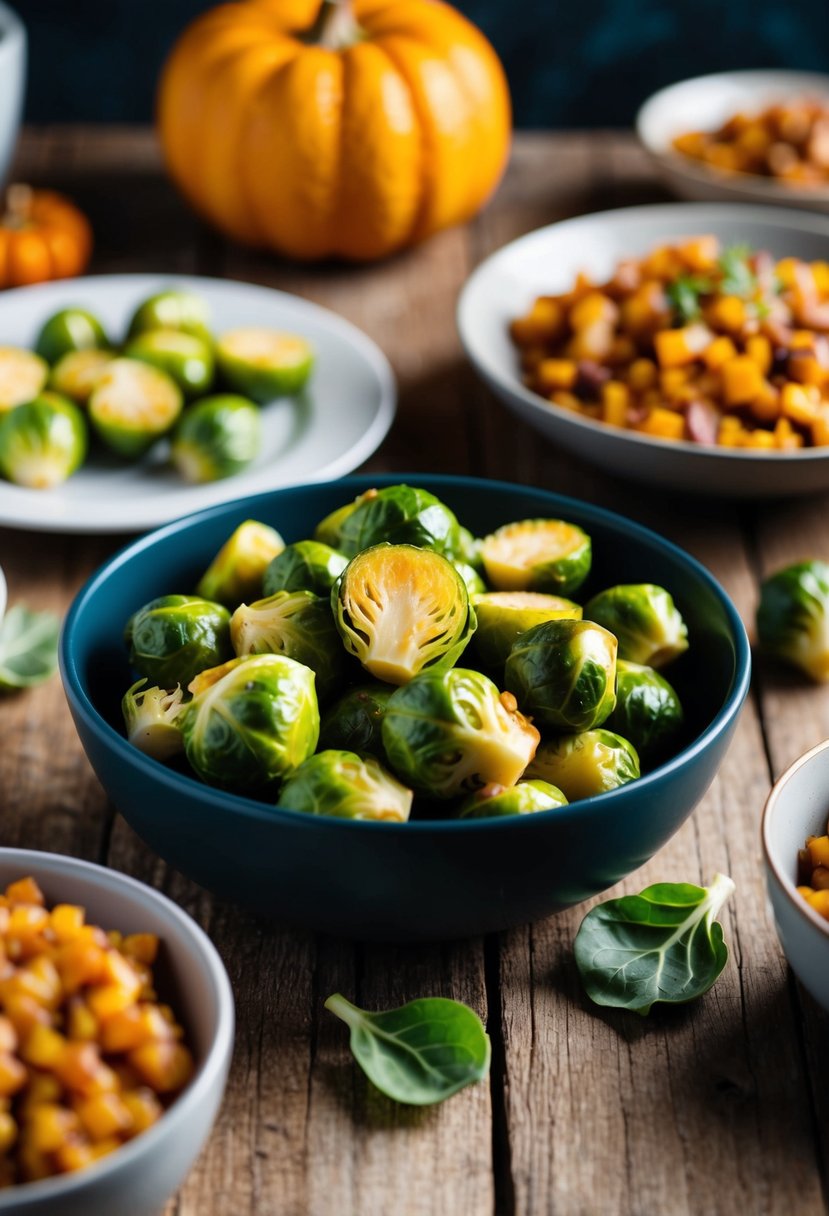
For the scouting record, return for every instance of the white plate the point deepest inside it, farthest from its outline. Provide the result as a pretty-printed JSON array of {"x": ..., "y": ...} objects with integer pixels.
[
  {"x": 703, "y": 104},
  {"x": 341, "y": 420},
  {"x": 547, "y": 261}
]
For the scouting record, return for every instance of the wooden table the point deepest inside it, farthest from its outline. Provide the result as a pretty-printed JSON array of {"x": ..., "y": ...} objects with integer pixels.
[{"x": 719, "y": 1107}]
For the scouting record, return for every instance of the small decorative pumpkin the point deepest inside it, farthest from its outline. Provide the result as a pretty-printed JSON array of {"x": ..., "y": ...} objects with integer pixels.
[
  {"x": 42, "y": 236},
  {"x": 334, "y": 130}
]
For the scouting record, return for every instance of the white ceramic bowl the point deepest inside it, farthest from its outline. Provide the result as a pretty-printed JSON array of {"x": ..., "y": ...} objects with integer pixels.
[
  {"x": 137, "y": 1179},
  {"x": 547, "y": 261},
  {"x": 3, "y": 593},
  {"x": 797, "y": 807},
  {"x": 12, "y": 84},
  {"x": 703, "y": 104}
]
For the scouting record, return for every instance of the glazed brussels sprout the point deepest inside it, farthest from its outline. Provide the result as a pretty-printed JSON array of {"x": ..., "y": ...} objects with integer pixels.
[
  {"x": 77, "y": 373},
  {"x": 400, "y": 515},
  {"x": 22, "y": 376},
  {"x": 298, "y": 624},
  {"x": 447, "y": 733},
  {"x": 348, "y": 786},
  {"x": 522, "y": 799},
  {"x": 355, "y": 722},
  {"x": 504, "y": 615},
  {"x": 586, "y": 764},
  {"x": 647, "y": 624},
  {"x": 185, "y": 358},
  {"x": 71, "y": 329},
  {"x": 42, "y": 442},
  {"x": 172, "y": 310},
  {"x": 648, "y": 711},
  {"x": 563, "y": 673},
  {"x": 793, "y": 617},
  {"x": 307, "y": 565},
  {"x": 174, "y": 637},
  {"x": 400, "y": 609},
  {"x": 236, "y": 572},
  {"x": 537, "y": 555},
  {"x": 132, "y": 405},
  {"x": 251, "y": 722},
  {"x": 151, "y": 720},
  {"x": 216, "y": 437},
  {"x": 264, "y": 364}
]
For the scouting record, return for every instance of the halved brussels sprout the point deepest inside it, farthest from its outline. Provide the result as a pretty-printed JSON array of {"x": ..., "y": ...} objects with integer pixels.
[
  {"x": 251, "y": 722},
  {"x": 185, "y": 358},
  {"x": 527, "y": 796},
  {"x": 400, "y": 609},
  {"x": 400, "y": 515},
  {"x": 298, "y": 624},
  {"x": 355, "y": 722},
  {"x": 151, "y": 720},
  {"x": 468, "y": 549},
  {"x": 235, "y": 575},
  {"x": 563, "y": 673},
  {"x": 447, "y": 733},
  {"x": 793, "y": 617},
  {"x": 537, "y": 555},
  {"x": 264, "y": 363},
  {"x": 71, "y": 329},
  {"x": 172, "y": 310},
  {"x": 648, "y": 711},
  {"x": 307, "y": 565},
  {"x": 504, "y": 615},
  {"x": 586, "y": 764},
  {"x": 174, "y": 637},
  {"x": 132, "y": 405},
  {"x": 347, "y": 786},
  {"x": 475, "y": 585},
  {"x": 42, "y": 442},
  {"x": 78, "y": 372},
  {"x": 645, "y": 620},
  {"x": 216, "y": 437},
  {"x": 22, "y": 376}
]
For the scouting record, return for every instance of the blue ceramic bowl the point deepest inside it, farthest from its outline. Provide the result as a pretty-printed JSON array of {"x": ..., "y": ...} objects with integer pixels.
[{"x": 426, "y": 879}]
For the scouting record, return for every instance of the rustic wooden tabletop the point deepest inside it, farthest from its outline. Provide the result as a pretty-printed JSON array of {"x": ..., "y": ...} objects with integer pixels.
[{"x": 718, "y": 1107}]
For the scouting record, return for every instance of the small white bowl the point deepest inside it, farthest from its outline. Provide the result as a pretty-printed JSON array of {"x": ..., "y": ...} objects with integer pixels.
[
  {"x": 12, "y": 84},
  {"x": 704, "y": 104},
  {"x": 797, "y": 807}
]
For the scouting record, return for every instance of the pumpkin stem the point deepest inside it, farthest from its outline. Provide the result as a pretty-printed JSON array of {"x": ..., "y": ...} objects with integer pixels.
[
  {"x": 335, "y": 27},
  {"x": 19, "y": 198}
]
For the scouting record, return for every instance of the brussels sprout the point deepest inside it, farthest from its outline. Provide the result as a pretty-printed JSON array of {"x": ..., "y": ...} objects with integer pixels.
[
  {"x": 151, "y": 720},
  {"x": 251, "y": 722},
  {"x": 355, "y": 721},
  {"x": 71, "y": 329},
  {"x": 42, "y": 442},
  {"x": 563, "y": 673},
  {"x": 347, "y": 786},
  {"x": 172, "y": 310},
  {"x": 495, "y": 800},
  {"x": 401, "y": 515},
  {"x": 235, "y": 574},
  {"x": 447, "y": 733},
  {"x": 172, "y": 638},
  {"x": 537, "y": 555},
  {"x": 400, "y": 609},
  {"x": 185, "y": 358},
  {"x": 132, "y": 405},
  {"x": 645, "y": 620},
  {"x": 77, "y": 374},
  {"x": 586, "y": 764},
  {"x": 307, "y": 565},
  {"x": 475, "y": 585},
  {"x": 793, "y": 617},
  {"x": 22, "y": 376},
  {"x": 263, "y": 363},
  {"x": 468, "y": 549},
  {"x": 648, "y": 711},
  {"x": 505, "y": 615},
  {"x": 298, "y": 624},
  {"x": 216, "y": 437}
]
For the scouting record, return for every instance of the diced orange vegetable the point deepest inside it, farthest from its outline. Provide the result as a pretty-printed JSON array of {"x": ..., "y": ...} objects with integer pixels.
[
  {"x": 66, "y": 921},
  {"x": 556, "y": 373},
  {"x": 727, "y": 313},
  {"x": 104, "y": 1115},
  {"x": 676, "y": 347},
  {"x": 665, "y": 424},
  {"x": 718, "y": 352},
  {"x": 642, "y": 374},
  {"x": 758, "y": 348},
  {"x": 615, "y": 402},
  {"x": 165, "y": 1066},
  {"x": 819, "y": 900},
  {"x": 24, "y": 891},
  {"x": 742, "y": 380},
  {"x": 818, "y": 848}
]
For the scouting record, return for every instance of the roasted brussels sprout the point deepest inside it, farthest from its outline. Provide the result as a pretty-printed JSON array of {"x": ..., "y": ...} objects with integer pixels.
[
  {"x": 348, "y": 786},
  {"x": 71, "y": 329},
  {"x": 172, "y": 310},
  {"x": 185, "y": 358},
  {"x": 298, "y": 624},
  {"x": 151, "y": 720},
  {"x": 537, "y": 555},
  {"x": 645, "y": 620},
  {"x": 251, "y": 722},
  {"x": 42, "y": 442},
  {"x": 400, "y": 609},
  {"x": 586, "y": 764},
  {"x": 400, "y": 515},
  {"x": 495, "y": 800},
  {"x": 563, "y": 673},
  {"x": 307, "y": 565},
  {"x": 505, "y": 615},
  {"x": 468, "y": 549},
  {"x": 132, "y": 405},
  {"x": 216, "y": 437},
  {"x": 355, "y": 722},
  {"x": 22, "y": 376},
  {"x": 264, "y": 364},
  {"x": 77, "y": 373},
  {"x": 174, "y": 637},
  {"x": 648, "y": 711},
  {"x": 236, "y": 572},
  {"x": 447, "y": 733},
  {"x": 475, "y": 585},
  {"x": 793, "y": 617}
]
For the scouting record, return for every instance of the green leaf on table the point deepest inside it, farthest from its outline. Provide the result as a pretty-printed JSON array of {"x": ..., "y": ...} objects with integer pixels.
[
  {"x": 28, "y": 647},
  {"x": 420, "y": 1053},
  {"x": 661, "y": 945}
]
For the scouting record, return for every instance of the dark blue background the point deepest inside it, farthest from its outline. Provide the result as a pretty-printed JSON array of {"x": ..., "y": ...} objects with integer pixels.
[{"x": 570, "y": 62}]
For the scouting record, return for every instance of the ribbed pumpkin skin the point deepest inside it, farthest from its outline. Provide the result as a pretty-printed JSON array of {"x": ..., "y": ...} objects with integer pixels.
[
  {"x": 352, "y": 152},
  {"x": 54, "y": 241}
]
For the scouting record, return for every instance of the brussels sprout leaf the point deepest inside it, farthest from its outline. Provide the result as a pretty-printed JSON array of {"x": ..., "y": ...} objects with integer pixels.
[{"x": 28, "y": 647}]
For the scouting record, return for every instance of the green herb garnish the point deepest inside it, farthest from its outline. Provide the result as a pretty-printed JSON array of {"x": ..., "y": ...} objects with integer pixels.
[
  {"x": 684, "y": 296},
  {"x": 738, "y": 279},
  {"x": 28, "y": 647}
]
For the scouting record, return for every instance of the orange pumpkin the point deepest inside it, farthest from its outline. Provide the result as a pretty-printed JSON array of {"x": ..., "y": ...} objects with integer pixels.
[
  {"x": 353, "y": 134},
  {"x": 42, "y": 236}
]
